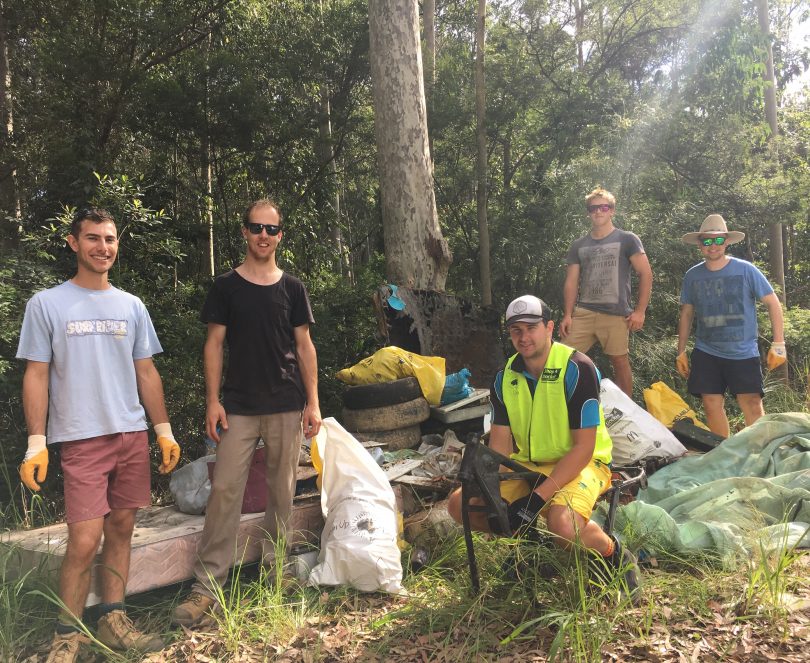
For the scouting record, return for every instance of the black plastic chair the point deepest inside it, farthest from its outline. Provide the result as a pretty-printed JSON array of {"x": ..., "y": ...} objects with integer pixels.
[{"x": 481, "y": 478}]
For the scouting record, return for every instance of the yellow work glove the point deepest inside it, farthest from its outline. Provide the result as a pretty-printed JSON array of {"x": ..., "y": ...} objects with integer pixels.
[
  {"x": 682, "y": 364},
  {"x": 169, "y": 449},
  {"x": 777, "y": 355},
  {"x": 35, "y": 460}
]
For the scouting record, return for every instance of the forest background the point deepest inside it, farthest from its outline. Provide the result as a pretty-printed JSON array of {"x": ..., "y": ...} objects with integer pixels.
[{"x": 175, "y": 114}]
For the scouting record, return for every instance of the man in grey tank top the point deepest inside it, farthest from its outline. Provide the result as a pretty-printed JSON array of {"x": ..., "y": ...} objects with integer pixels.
[{"x": 596, "y": 295}]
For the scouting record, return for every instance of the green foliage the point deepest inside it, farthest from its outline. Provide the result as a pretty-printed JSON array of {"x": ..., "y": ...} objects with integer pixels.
[{"x": 660, "y": 101}]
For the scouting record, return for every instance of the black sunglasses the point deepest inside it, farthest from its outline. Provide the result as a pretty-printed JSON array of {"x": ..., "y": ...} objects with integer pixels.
[{"x": 256, "y": 229}]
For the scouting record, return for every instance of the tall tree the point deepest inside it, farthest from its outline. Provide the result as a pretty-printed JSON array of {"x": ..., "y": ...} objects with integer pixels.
[
  {"x": 416, "y": 252},
  {"x": 777, "y": 257},
  {"x": 9, "y": 198},
  {"x": 481, "y": 161}
]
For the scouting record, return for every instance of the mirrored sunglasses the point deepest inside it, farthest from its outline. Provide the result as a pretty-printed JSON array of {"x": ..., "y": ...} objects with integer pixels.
[
  {"x": 604, "y": 207},
  {"x": 708, "y": 241}
]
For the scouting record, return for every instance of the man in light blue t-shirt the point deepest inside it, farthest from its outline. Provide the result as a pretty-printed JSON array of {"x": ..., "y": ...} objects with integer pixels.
[
  {"x": 721, "y": 294},
  {"x": 88, "y": 349}
]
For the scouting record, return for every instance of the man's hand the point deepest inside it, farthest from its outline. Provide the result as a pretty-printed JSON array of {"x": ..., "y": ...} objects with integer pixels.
[
  {"x": 777, "y": 355},
  {"x": 565, "y": 326},
  {"x": 215, "y": 418},
  {"x": 35, "y": 460},
  {"x": 682, "y": 364},
  {"x": 311, "y": 421},
  {"x": 169, "y": 449},
  {"x": 523, "y": 512},
  {"x": 635, "y": 321}
]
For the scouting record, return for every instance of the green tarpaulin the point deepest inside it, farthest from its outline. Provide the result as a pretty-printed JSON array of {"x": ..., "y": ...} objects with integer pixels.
[{"x": 752, "y": 491}]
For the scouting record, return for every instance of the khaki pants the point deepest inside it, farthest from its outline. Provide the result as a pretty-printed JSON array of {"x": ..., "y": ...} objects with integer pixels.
[{"x": 282, "y": 437}]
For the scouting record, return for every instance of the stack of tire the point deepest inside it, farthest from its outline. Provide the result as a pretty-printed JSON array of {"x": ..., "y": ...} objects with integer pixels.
[{"x": 386, "y": 412}]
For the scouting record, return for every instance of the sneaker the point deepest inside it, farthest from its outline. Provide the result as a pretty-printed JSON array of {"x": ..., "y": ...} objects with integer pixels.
[
  {"x": 68, "y": 648},
  {"x": 196, "y": 610},
  {"x": 116, "y": 631}
]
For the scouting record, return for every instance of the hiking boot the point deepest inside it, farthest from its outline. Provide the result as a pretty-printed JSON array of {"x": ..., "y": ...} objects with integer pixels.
[
  {"x": 68, "y": 648},
  {"x": 116, "y": 630},
  {"x": 620, "y": 568},
  {"x": 196, "y": 610},
  {"x": 626, "y": 565}
]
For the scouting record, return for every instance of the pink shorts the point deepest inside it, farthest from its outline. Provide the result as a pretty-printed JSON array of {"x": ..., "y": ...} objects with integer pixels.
[{"x": 104, "y": 473}]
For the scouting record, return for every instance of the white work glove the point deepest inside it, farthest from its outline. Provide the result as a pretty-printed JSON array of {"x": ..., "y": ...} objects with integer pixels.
[
  {"x": 169, "y": 449},
  {"x": 35, "y": 460}
]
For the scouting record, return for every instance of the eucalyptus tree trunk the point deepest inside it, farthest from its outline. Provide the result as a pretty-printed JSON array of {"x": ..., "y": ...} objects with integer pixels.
[
  {"x": 579, "y": 28},
  {"x": 208, "y": 169},
  {"x": 416, "y": 253},
  {"x": 481, "y": 161},
  {"x": 777, "y": 259},
  {"x": 10, "y": 207},
  {"x": 326, "y": 157},
  {"x": 776, "y": 250}
]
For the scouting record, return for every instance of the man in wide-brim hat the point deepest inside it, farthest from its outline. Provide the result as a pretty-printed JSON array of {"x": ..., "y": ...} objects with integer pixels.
[{"x": 721, "y": 294}]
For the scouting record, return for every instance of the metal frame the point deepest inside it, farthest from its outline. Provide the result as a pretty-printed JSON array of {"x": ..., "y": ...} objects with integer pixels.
[{"x": 480, "y": 478}]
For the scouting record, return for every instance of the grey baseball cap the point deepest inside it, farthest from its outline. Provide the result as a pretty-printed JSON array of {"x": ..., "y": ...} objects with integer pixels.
[{"x": 527, "y": 308}]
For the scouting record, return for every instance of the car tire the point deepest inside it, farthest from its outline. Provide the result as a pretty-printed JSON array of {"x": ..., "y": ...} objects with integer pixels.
[
  {"x": 388, "y": 417},
  {"x": 401, "y": 438},
  {"x": 380, "y": 394}
]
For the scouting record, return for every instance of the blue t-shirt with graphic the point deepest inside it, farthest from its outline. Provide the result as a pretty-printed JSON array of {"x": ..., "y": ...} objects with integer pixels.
[
  {"x": 91, "y": 339},
  {"x": 725, "y": 304}
]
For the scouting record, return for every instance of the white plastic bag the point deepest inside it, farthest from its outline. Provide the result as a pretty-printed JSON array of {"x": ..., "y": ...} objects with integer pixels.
[
  {"x": 359, "y": 539},
  {"x": 190, "y": 485},
  {"x": 636, "y": 434}
]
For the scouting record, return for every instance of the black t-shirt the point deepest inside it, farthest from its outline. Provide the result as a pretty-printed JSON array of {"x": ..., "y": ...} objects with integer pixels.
[{"x": 262, "y": 375}]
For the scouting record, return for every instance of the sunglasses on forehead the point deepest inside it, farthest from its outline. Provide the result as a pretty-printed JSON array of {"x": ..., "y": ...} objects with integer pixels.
[
  {"x": 604, "y": 207},
  {"x": 256, "y": 229},
  {"x": 708, "y": 241}
]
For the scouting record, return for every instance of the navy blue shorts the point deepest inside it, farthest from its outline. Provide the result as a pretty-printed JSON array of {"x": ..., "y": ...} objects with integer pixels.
[{"x": 714, "y": 375}]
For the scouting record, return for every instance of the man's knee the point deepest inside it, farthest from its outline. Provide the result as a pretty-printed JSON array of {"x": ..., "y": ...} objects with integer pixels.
[
  {"x": 713, "y": 402},
  {"x": 561, "y": 523},
  {"x": 751, "y": 406},
  {"x": 82, "y": 545},
  {"x": 120, "y": 523},
  {"x": 454, "y": 505}
]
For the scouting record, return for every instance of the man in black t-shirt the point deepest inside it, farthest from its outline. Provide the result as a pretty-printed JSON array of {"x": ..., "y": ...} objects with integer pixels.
[{"x": 270, "y": 392}]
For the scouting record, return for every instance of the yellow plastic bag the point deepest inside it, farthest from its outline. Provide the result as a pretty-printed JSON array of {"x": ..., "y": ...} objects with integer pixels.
[
  {"x": 393, "y": 363},
  {"x": 667, "y": 406}
]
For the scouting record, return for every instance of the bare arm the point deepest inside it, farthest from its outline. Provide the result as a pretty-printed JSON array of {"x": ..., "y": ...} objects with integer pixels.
[
  {"x": 308, "y": 361},
  {"x": 641, "y": 265},
  {"x": 571, "y": 465},
  {"x": 500, "y": 439},
  {"x": 35, "y": 396},
  {"x": 774, "y": 307},
  {"x": 685, "y": 326},
  {"x": 150, "y": 387},
  {"x": 570, "y": 289},
  {"x": 213, "y": 359}
]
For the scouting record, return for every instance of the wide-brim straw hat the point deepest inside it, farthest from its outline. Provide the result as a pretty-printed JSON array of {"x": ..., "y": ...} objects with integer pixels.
[{"x": 713, "y": 225}]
